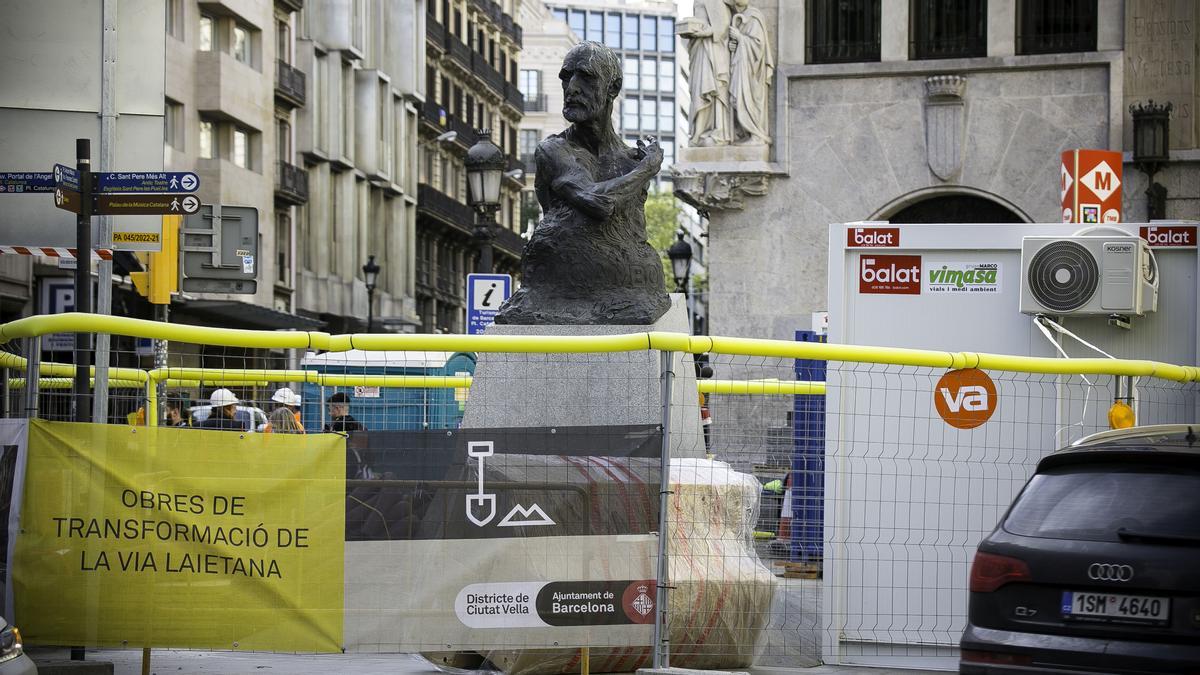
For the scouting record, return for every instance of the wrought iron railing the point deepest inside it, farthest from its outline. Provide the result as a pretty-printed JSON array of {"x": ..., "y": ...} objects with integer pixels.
[
  {"x": 291, "y": 183},
  {"x": 536, "y": 103},
  {"x": 445, "y": 208},
  {"x": 290, "y": 83}
]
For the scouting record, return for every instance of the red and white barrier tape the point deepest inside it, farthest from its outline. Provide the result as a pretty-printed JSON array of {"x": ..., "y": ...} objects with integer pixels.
[{"x": 54, "y": 252}]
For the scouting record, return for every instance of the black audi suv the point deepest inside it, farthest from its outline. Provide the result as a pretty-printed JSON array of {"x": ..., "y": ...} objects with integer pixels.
[{"x": 1096, "y": 566}]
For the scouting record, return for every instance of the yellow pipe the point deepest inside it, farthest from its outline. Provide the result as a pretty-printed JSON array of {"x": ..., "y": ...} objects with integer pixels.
[
  {"x": 782, "y": 387},
  {"x": 78, "y": 322},
  {"x": 545, "y": 344},
  {"x": 52, "y": 369},
  {"x": 42, "y": 325},
  {"x": 228, "y": 382},
  {"x": 67, "y": 383}
]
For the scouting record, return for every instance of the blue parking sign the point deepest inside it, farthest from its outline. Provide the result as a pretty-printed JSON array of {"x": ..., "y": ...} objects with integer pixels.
[{"x": 485, "y": 294}]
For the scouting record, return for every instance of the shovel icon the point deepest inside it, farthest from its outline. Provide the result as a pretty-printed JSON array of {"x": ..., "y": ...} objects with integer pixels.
[{"x": 480, "y": 503}]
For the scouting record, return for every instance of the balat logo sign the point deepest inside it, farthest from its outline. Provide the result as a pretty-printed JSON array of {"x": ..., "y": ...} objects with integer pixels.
[
  {"x": 965, "y": 398},
  {"x": 872, "y": 237}
]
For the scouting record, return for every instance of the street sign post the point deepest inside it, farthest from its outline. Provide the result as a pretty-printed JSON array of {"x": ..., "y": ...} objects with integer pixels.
[
  {"x": 27, "y": 181},
  {"x": 86, "y": 193},
  {"x": 66, "y": 177},
  {"x": 147, "y": 204},
  {"x": 68, "y": 200},
  {"x": 485, "y": 294},
  {"x": 171, "y": 182}
]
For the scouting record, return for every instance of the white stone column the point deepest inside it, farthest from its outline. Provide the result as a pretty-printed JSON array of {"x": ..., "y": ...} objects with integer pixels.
[
  {"x": 893, "y": 31},
  {"x": 1110, "y": 25},
  {"x": 1002, "y": 28},
  {"x": 790, "y": 33}
]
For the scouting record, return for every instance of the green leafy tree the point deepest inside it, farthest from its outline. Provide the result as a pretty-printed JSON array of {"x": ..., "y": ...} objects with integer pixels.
[{"x": 662, "y": 221}]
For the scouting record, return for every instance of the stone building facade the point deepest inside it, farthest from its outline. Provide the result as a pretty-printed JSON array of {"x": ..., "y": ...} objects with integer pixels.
[
  {"x": 860, "y": 133},
  {"x": 470, "y": 82},
  {"x": 879, "y": 117}
]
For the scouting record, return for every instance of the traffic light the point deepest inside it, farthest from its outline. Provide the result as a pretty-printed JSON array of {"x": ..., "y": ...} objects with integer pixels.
[{"x": 162, "y": 279}]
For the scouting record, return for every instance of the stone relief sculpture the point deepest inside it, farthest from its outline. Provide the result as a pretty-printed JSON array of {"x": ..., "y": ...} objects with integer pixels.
[
  {"x": 708, "y": 53},
  {"x": 588, "y": 262},
  {"x": 752, "y": 66},
  {"x": 731, "y": 70}
]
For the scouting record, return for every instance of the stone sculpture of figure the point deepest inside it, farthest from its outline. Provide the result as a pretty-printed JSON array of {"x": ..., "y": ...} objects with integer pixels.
[
  {"x": 588, "y": 262},
  {"x": 708, "y": 38},
  {"x": 750, "y": 74}
]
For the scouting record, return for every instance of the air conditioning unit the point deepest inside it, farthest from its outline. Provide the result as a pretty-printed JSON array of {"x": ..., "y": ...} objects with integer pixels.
[{"x": 1078, "y": 276}]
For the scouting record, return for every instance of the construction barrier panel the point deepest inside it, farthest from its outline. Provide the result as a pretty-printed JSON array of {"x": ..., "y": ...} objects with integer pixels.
[
  {"x": 190, "y": 538},
  {"x": 821, "y": 502}
]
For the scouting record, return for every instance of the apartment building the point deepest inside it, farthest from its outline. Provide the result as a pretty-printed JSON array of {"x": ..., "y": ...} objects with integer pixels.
[
  {"x": 357, "y": 140},
  {"x": 305, "y": 110},
  {"x": 470, "y": 82},
  {"x": 547, "y": 40}
]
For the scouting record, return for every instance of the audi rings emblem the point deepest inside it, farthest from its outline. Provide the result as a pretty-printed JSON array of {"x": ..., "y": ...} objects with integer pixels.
[{"x": 1109, "y": 572}]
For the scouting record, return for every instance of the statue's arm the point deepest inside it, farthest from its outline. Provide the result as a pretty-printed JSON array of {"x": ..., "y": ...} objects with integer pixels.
[{"x": 595, "y": 199}]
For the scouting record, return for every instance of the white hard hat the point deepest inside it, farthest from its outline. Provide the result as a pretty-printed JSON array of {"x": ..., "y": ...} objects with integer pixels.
[
  {"x": 296, "y": 400},
  {"x": 284, "y": 395},
  {"x": 222, "y": 397}
]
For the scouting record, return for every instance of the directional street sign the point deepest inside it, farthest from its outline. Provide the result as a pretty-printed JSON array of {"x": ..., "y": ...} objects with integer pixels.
[
  {"x": 27, "y": 181},
  {"x": 485, "y": 294},
  {"x": 174, "y": 182},
  {"x": 68, "y": 200},
  {"x": 66, "y": 177},
  {"x": 147, "y": 204}
]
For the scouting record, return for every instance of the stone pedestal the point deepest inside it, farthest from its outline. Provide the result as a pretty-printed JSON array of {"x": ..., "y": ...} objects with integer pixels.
[
  {"x": 551, "y": 390},
  {"x": 722, "y": 176}
]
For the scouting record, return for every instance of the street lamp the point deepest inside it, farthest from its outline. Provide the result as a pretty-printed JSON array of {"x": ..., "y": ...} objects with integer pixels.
[
  {"x": 485, "y": 168},
  {"x": 1151, "y": 150},
  {"x": 680, "y": 254},
  {"x": 370, "y": 276}
]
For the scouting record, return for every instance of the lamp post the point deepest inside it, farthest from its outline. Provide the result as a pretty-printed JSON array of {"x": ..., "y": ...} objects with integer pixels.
[
  {"x": 485, "y": 167},
  {"x": 370, "y": 276},
  {"x": 1151, "y": 150},
  {"x": 680, "y": 254}
]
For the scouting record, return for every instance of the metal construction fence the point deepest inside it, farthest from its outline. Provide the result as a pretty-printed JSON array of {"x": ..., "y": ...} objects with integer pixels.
[{"x": 502, "y": 493}]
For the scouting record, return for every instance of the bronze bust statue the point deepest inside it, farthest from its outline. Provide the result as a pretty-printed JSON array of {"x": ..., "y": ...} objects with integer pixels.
[{"x": 588, "y": 261}]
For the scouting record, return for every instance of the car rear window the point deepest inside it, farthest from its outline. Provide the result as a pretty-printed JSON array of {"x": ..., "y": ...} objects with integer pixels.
[{"x": 1095, "y": 502}]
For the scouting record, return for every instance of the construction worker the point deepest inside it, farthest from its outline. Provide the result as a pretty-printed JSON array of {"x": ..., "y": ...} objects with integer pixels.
[
  {"x": 222, "y": 412},
  {"x": 289, "y": 404}
]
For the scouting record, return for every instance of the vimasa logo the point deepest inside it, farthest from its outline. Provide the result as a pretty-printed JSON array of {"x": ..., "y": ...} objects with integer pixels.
[
  {"x": 965, "y": 398},
  {"x": 957, "y": 277}
]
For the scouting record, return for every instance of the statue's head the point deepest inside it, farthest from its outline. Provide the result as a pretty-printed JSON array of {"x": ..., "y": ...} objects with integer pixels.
[{"x": 591, "y": 81}]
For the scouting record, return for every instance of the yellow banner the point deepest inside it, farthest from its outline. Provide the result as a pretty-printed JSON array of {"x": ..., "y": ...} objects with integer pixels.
[{"x": 164, "y": 537}]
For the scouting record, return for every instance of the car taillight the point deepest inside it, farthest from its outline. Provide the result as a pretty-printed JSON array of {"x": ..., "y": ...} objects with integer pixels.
[
  {"x": 999, "y": 658},
  {"x": 991, "y": 571}
]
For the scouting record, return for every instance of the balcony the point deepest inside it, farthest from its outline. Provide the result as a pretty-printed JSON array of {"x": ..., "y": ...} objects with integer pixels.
[
  {"x": 291, "y": 184},
  {"x": 536, "y": 103},
  {"x": 293, "y": 5},
  {"x": 290, "y": 84},
  {"x": 484, "y": 71},
  {"x": 435, "y": 33},
  {"x": 459, "y": 52},
  {"x": 435, "y": 203},
  {"x": 435, "y": 114},
  {"x": 508, "y": 241},
  {"x": 514, "y": 97}
]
